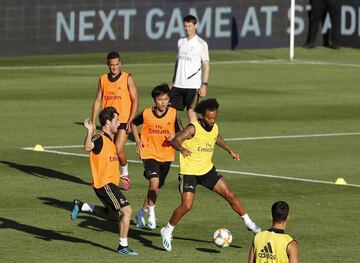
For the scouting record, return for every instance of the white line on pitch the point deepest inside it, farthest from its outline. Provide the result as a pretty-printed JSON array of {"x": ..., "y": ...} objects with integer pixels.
[
  {"x": 219, "y": 170},
  {"x": 267, "y": 61},
  {"x": 232, "y": 139},
  {"x": 68, "y": 146},
  {"x": 293, "y": 136}
]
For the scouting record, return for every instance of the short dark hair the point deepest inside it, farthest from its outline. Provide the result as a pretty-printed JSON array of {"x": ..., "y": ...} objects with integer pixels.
[
  {"x": 208, "y": 104},
  {"x": 112, "y": 55},
  {"x": 160, "y": 90},
  {"x": 280, "y": 211},
  {"x": 190, "y": 19},
  {"x": 107, "y": 113}
]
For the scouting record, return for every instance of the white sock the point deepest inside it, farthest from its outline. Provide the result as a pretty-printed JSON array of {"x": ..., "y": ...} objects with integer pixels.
[
  {"x": 169, "y": 228},
  {"x": 124, "y": 170},
  {"x": 87, "y": 208},
  {"x": 247, "y": 219},
  {"x": 151, "y": 211},
  {"x": 123, "y": 242}
]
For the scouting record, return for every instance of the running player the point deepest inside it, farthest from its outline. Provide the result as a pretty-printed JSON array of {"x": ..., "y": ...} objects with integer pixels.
[{"x": 158, "y": 127}]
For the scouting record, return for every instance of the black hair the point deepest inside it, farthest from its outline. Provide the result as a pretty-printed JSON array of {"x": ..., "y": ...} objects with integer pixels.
[
  {"x": 112, "y": 55},
  {"x": 190, "y": 19},
  {"x": 208, "y": 104},
  {"x": 107, "y": 113},
  {"x": 160, "y": 90},
  {"x": 280, "y": 211}
]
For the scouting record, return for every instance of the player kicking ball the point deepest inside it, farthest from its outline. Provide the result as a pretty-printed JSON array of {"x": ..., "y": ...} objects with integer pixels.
[
  {"x": 196, "y": 144},
  {"x": 159, "y": 124}
]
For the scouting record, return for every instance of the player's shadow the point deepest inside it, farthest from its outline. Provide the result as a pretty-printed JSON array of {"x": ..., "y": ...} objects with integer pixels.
[
  {"x": 98, "y": 224},
  {"x": 208, "y": 250},
  {"x": 66, "y": 205},
  {"x": 94, "y": 223},
  {"x": 45, "y": 234},
  {"x": 44, "y": 173}
]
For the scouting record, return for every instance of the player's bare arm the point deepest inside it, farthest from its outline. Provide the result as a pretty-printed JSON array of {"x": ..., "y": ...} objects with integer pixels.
[
  {"x": 251, "y": 255},
  {"x": 139, "y": 144},
  {"x": 88, "y": 144},
  {"x": 220, "y": 142},
  {"x": 96, "y": 106},
  {"x": 134, "y": 101},
  {"x": 293, "y": 252},
  {"x": 206, "y": 73},
  {"x": 179, "y": 138}
]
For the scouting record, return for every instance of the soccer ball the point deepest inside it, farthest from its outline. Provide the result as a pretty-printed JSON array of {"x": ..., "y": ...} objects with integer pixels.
[{"x": 222, "y": 237}]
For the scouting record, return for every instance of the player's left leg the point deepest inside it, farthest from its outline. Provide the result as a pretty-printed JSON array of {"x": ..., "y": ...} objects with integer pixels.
[
  {"x": 151, "y": 200},
  {"x": 224, "y": 191}
]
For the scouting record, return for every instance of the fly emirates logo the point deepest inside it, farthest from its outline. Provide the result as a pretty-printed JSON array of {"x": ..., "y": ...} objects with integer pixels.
[
  {"x": 159, "y": 129},
  {"x": 112, "y": 96},
  {"x": 208, "y": 148}
]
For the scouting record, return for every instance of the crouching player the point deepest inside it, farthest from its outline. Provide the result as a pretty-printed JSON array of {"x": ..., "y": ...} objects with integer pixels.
[
  {"x": 159, "y": 125},
  {"x": 104, "y": 163}
]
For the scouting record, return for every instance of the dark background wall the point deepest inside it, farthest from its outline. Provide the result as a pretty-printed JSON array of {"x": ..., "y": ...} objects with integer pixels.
[{"x": 82, "y": 26}]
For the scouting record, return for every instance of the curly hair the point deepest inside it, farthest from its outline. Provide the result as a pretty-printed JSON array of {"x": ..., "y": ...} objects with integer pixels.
[{"x": 208, "y": 104}]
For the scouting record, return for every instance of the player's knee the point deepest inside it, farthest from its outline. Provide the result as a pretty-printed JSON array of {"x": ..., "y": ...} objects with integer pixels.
[
  {"x": 126, "y": 211},
  {"x": 120, "y": 149},
  {"x": 229, "y": 196},
  {"x": 186, "y": 207}
]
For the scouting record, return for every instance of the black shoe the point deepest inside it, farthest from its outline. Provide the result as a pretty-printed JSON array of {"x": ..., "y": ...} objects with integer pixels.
[
  {"x": 309, "y": 46},
  {"x": 126, "y": 251}
]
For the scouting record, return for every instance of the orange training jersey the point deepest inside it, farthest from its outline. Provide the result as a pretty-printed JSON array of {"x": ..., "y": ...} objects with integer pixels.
[
  {"x": 155, "y": 133},
  {"x": 105, "y": 165},
  {"x": 115, "y": 93}
]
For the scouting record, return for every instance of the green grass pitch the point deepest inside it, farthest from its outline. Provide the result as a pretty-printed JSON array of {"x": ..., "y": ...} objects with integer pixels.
[{"x": 45, "y": 99}]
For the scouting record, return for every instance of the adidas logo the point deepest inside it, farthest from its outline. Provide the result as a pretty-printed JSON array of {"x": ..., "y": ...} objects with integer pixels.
[{"x": 267, "y": 252}]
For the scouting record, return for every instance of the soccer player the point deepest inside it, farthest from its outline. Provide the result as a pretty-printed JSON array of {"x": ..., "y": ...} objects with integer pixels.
[
  {"x": 118, "y": 89},
  {"x": 274, "y": 245},
  {"x": 158, "y": 127},
  {"x": 104, "y": 163},
  {"x": 189, "y": 81},
  {"x": 196, "y": 144}
]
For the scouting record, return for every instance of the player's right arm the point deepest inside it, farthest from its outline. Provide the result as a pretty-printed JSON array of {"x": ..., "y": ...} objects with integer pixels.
[
  {"x": 179, "y": 138},
  {"x": 88, "y": 144},
  {"x": 251, "y": 255},
  {"x": 96, "y": 106},
  {"x": 138, "y": 120},
  {"x": 293, "y": 252}
]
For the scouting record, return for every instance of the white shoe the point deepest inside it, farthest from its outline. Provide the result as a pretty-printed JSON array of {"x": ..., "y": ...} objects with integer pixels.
[
  {"x": 151, "y": 222},
  {"x": 166, "y": 239},
  {"x": 253, "y": 228}
]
